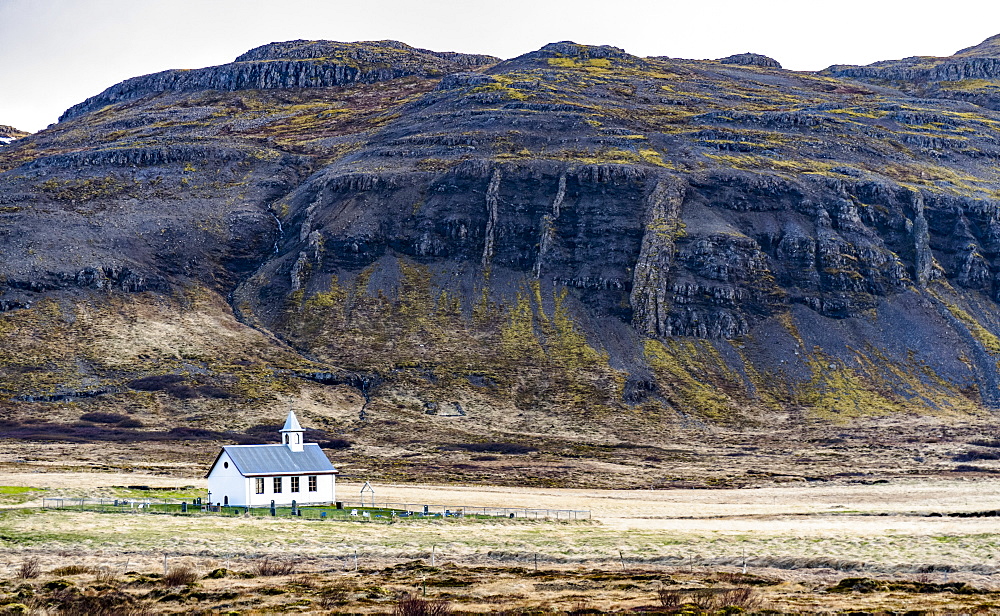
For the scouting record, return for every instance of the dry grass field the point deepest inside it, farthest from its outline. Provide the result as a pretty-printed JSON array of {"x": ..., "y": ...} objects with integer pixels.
[{"x": 647, "y": 550}]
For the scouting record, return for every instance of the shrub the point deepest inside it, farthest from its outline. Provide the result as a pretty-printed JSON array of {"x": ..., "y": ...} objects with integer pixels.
[
  {"x": 333, "y": 597},
  {"x": 267, "y": 567},
  {"x": 976, "y": 454},
  {"x": 412, "y": 605},
  {"x": 214, "y": 391},
  {"x": 72, "y": 570},
  {"x": 669, "y": 598},
  {"x": 174, "y": 385},
  {"x": 335, "y": 443},
  {"x": 71, "y": 602},
  {"x": 157, "y": 382},
  {"x": 29, "y": 569},
  {"x": 992, "y": 442},
  {"x": 744, "y": 598},
  {"x": 107, "y": 418},
  {"x": 744, "y": 579},
  {"x": 505, "y": 448},
  {"x": 106, "y": 575},
  {"x": 180, "y": 576},
  {"x": 191, "y": 433},
  {"x": 969, "y": 468}
]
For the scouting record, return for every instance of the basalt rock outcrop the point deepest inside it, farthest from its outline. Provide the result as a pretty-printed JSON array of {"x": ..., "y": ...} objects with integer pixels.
[
  {"x": 972, "y": 74},
  {"x": 295, "y": 64},
  {"x": 751, "y": 59},
  {"x": 9, "y": 133},
  {"x": 577, "y": 234}
]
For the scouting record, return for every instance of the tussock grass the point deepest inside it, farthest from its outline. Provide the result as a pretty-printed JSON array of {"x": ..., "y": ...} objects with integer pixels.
[
  {"x": 412, "y": 605},
  {"x": 30, "y": 568},
  {"x": 180, "y": 576},
  {"x": 269, "y": 567}
]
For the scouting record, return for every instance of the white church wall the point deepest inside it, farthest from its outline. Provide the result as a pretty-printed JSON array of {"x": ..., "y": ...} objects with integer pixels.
[
  {"x": 324, "y": 491},
  {"x": 226, "y": 481}
]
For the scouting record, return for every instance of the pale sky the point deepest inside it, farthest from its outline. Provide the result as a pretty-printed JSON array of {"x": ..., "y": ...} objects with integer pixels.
[{"x": 56, "y": 53}]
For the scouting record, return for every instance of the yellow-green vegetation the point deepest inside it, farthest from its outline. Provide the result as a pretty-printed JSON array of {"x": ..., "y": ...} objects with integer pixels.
[
  {"x": 874, "y": 384},
  {"x": 503, "y": 89},
  {"x": 542, "y": 357},
  {"x": 580, "y": 376},
  {"x": 983, "y": 336},
  {"x": 970, "y": 85},
  {"x": 56, "y": 348},
  {"x": 918, "y": 386},
  {"x": 937, "y": 178},
  {"x": 434, "y": 164},
  {"x": 517, "y": 336},
  {"x": 872, "y": 113},
  {"x": 605, "y": 156},
  {"x": 86, "y": 189},
  {"x": 667, "y": 229},
  {"x": 695, "y": 378},
  {"x": 12, "y": 495},
  {"x": 582, "y": 63},
  {"x": 784, "y": 165},
  {"x": 837, "y": 392},
  {"x": 35, "y": 357}
]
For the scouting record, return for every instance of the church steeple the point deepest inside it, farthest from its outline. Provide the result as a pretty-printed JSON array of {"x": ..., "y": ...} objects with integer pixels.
[{"x": 291, "y": 433}]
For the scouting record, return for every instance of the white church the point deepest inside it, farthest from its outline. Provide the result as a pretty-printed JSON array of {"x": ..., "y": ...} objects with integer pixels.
[{"x": 255, "y": 475}]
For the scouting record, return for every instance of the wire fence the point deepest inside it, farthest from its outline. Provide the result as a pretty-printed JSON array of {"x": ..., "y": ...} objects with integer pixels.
[{"x": 343, "y": 510}]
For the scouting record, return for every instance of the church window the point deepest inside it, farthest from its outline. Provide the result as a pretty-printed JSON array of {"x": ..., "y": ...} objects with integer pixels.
[
  {"x": 260, "y": 485},
  {"x": 277, "y": 485},
  {"x": 312, "y": 483},
  {"x": 295, "y": 484}
]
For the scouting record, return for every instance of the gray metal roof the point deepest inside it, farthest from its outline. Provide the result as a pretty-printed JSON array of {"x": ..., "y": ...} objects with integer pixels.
[{"x": 274, "y": 459}]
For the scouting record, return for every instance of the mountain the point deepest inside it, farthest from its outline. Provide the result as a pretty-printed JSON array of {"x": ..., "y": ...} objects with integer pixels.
[{"x": 620, "y": 269}]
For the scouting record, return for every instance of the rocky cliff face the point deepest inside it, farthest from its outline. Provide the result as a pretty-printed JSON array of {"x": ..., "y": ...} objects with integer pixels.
[
  {"x": 295, "y": 64},
  {"x": 9, "y": 133},
  {"x": 751, "y": 59},
  {"x": 972, "y": 74},
  {"x": 573, "y": 242}
]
